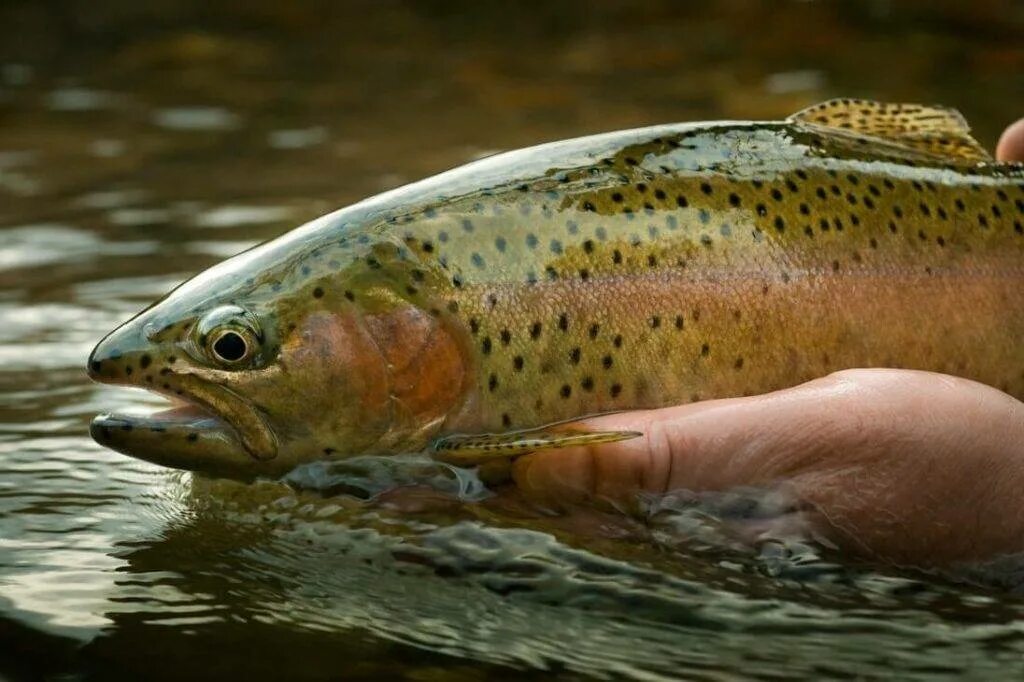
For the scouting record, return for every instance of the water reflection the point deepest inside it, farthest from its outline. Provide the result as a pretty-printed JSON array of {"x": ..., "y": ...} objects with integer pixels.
[{"x": 141, "y": 144}]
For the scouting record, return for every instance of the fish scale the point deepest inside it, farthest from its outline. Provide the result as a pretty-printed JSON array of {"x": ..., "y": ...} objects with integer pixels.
[
  {"x": 630, "y": 270},
  {"x": 730, "y": 278}
]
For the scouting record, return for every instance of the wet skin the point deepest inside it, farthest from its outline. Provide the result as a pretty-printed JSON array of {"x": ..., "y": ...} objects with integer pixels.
[
  {"x": 636, "y": 269},
  {"x": 332, "y": 359},
  {"x": 908, "y": 467}
]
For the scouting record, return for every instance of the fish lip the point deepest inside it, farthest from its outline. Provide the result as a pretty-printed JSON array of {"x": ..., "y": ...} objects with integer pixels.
[
  {"x": 240, "y": 414},
  {"x": 214, "y": 408}
]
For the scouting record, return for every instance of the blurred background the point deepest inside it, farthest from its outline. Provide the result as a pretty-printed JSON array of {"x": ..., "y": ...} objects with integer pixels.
[{"x": 141, "y": 142}]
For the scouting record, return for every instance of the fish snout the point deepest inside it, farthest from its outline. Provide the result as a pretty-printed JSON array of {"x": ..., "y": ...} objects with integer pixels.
[{"x": 121, "y": 357}]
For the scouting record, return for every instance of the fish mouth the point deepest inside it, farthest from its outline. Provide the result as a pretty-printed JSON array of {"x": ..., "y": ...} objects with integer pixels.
[{"x": 208, "y": 428}]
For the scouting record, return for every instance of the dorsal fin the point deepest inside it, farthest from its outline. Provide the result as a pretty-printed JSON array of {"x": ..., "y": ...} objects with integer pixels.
[{"x": 933, "y": 130}]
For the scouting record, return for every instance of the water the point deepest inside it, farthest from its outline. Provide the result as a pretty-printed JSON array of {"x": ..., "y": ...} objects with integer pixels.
[{"x": 143, "y": 142}]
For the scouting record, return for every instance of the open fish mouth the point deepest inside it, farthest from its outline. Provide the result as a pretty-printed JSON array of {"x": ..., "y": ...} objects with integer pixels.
[{"x": 208, "y": 429}]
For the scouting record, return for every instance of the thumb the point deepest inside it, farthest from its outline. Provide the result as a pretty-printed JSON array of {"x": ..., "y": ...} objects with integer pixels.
[{"x": 1011, "y": 143}]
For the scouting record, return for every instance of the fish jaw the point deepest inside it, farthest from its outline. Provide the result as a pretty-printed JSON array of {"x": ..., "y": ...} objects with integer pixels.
[
  {"x": 212, "y": 429},
  {"x": 184, "y": 437}
]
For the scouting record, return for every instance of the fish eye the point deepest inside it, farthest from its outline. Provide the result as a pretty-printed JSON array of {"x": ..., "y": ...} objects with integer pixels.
[
  {"x": 230, "y": 347},
  {"x": 228, "y": 336}
]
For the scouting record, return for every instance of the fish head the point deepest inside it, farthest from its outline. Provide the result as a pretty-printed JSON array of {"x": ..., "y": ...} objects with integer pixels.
[{"x": 271, "y": 371}]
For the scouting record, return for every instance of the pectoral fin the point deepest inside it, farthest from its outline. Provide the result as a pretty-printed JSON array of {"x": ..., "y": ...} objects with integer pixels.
[
  {"x": 930, "y": 130},
  {"x": 471, "y": 450}
]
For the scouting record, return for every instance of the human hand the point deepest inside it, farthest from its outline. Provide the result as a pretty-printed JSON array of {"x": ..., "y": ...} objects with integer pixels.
[
  {"x": 904, "y": 466},
  {"x": 1011, "y": 143}
]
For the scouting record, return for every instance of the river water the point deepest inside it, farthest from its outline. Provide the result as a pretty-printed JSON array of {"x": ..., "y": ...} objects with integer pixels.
[{"x": 143, "y": 142}]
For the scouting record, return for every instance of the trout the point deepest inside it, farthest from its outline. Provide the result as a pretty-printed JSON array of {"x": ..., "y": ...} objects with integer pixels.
[{"x": 477, "y": 313}]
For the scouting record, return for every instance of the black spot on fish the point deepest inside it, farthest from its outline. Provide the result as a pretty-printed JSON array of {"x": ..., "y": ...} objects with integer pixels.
[
  {"x": 492, "y": 382},
  {"x": 485, "y": 345},
  {"x": 477, "y": 260},
  {"x": 574, "y": 355},
  {"x": 506, "y": 337},
  {"x": 500, "y": 244},
  {"x": 535, "y": 330},
  {"x": 681, "y": 201},
  {"x": 531, "y": 240},
  {"x": 350, "y": 296},
  {"x": 563, "y": 322},
  {"x": 556, "y": 246},
  {"x": 145, "y": 361},
  {"x": 566, "y": 390},
  {"x": 517, "y": 363},
  {"x": 615, "y": 390},
  {"x": 318, "y": 293},
  {"x": 587, "y": 384}
]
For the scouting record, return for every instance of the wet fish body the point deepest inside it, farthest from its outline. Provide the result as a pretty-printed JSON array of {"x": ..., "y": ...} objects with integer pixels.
[{"x": 629, "y": 270}]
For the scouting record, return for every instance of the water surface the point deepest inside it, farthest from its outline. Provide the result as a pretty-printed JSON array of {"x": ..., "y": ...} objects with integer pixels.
[{"x": 141, "y": 144}]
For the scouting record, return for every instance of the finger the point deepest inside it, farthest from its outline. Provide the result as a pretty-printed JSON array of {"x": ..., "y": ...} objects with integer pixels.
[
  {"x": 905, "y": 465},
  {"x": 1011, "y": 143}
]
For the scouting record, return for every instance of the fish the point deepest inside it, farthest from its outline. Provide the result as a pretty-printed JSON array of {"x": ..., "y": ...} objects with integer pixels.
[{"x": 479, "y": 314}]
